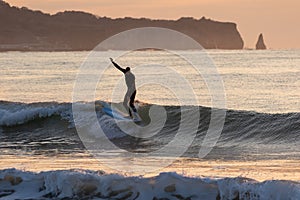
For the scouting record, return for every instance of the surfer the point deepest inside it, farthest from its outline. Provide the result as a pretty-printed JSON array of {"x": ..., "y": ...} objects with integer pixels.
[{"x": 131, "y": 90}]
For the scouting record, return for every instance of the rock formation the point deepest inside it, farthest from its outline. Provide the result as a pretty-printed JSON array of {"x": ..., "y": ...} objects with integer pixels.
[
  {"x": 27, "y": 30},
  {"x": 260, "y": 42}
]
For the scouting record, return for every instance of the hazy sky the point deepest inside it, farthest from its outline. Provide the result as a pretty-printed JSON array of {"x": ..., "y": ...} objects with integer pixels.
[{"x": 278, "y": 20}]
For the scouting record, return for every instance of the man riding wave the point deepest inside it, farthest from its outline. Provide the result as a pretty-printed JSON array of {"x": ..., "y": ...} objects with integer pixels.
[{"x": 131, "y": 89}]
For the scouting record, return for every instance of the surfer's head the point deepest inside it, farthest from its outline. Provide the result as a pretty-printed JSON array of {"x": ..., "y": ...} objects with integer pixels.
[{"x": 127, "y": 69}]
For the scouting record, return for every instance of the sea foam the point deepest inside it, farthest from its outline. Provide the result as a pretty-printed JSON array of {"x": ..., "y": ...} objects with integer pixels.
[{"x": 86, "y": 184}]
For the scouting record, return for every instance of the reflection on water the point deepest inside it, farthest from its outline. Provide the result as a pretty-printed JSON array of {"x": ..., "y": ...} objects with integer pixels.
[
  {"x": 263, "y": 81},
  {"x": 258, "y": 170}
]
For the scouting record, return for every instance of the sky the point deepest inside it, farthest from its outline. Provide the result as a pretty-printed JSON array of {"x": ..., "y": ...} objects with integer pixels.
[{"x": 278, "y": 20}]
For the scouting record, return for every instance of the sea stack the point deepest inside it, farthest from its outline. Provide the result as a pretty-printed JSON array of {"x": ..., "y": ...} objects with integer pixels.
[{"x": 260, "y": 42}]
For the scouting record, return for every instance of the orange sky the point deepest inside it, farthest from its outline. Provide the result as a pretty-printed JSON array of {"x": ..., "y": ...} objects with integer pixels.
[{"x": 278, "y": 20}]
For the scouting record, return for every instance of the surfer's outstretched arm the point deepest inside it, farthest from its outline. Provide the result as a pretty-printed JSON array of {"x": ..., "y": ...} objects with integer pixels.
[{"x": 117, "y": 66}]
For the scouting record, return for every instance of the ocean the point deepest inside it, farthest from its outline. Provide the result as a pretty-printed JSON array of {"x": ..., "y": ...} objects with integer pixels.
[{"x": 57, "y": 143}]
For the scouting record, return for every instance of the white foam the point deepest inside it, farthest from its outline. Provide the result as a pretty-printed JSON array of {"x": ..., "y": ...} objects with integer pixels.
[
  {"x": 97, "y": 185},
  {"x": 231, "y": 188},
  {"x": 17, "y": 114},
  {"x": 10, "y": 117}
]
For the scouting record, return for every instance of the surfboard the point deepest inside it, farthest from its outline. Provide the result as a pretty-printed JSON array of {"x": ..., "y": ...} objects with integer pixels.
[
  {"x": 118, "y": 115},
  {"x": 136, "y": 116}
]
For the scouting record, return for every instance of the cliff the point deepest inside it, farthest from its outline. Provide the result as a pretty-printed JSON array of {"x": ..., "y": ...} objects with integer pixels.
[
  {"x": 260, "y": 45},
  {"x": 28, "y": 30}
]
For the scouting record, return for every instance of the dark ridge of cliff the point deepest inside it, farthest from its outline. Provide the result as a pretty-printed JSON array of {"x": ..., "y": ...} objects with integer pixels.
[
  {"x": 25, "y": 29},
  {"x": 260, "y": 45}
]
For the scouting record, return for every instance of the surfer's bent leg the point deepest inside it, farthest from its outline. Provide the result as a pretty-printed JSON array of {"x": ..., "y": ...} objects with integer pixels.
[
  {"x": 125, "y": 103},
  {"x": 131, "y": 102}
]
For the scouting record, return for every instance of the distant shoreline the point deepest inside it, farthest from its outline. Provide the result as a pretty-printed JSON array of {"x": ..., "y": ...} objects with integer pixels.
[
  {"x": 28, "y": 30},
  {"x": 83, "y": 50}
]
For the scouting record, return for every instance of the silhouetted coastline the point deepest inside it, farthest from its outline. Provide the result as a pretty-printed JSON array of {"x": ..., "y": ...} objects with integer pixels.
[{"x": 23, "y": 29}]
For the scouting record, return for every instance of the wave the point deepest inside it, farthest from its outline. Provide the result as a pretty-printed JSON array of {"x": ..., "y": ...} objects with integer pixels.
[
  {"x": 87, "y": 184},
  {"x": 54, "y": 121},
  {"x": 19, "y": 113}
]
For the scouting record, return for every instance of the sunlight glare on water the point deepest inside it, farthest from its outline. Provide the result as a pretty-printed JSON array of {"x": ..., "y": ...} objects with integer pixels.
[{"x": 263, "y": 81}]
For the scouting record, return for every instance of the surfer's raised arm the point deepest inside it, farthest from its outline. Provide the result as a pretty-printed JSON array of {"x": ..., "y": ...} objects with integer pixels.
[{"x": 117, "y": 66}]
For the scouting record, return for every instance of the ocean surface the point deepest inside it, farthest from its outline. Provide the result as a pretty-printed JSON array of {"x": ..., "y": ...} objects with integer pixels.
[{"x": 256, "y": 156}]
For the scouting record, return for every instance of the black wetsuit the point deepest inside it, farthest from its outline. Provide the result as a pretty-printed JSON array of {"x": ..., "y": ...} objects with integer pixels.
[{"x": 131, "y": 90}]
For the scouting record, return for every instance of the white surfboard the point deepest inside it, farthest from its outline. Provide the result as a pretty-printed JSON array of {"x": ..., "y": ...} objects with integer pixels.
[
  {"x": 135, "y": 116},
  {"x": 118, "y": 115}
]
